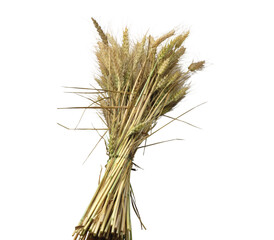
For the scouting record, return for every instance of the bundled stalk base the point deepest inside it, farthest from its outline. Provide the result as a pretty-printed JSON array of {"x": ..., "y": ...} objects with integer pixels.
[
  {"x": 138, "y": 84},
  {"x": 108, "y": 215}
]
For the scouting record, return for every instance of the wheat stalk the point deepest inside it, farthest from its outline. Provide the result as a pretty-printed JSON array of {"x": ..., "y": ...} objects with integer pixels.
[{"x": 139, "y": 83}]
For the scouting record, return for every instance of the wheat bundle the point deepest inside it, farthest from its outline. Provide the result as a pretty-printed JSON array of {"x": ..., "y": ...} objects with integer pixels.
[{"x": 139, "y": 83}]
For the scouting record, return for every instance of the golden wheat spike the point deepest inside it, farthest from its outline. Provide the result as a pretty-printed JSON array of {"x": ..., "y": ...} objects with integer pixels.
[
  {"x": 100, "y": 31},
  {"x": 125, "y": 45},
  {"x": 163, "y": 38},
  {"x": 196, "y": 66}
]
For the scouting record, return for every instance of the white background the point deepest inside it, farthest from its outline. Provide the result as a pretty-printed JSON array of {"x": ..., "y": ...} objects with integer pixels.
[{"x": 218, "y": 184}]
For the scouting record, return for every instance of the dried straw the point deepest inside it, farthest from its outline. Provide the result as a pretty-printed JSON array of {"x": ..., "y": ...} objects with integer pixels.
[{"x": 138, "y": 84}]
